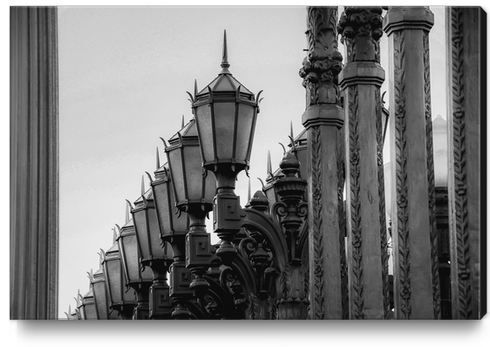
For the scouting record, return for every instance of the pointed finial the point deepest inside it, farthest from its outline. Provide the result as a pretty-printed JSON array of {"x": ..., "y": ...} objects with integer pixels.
[
  {"x": 283, "y": 148},
  {"x": 101, "y": 259},
  {"x": 183, "y": 123},
  {"x": 158, "y": 159},
  {"x": 195, "y": 88},
  {"x": 224, "y": 61},
  {"x": 249, "y": 190},
  {"x": 291, "y": 131},
  {"x": 269, "y": 163},
  {"x": 142, "y": 185},
  {"x": 126, "y": 217}
]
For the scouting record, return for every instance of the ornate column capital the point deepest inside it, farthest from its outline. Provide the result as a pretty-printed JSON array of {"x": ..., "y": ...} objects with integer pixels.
[
  {"x": 360, "y": 29},
  {"x": 403, "y": 18},
  {"x": 323, "y": 62}
]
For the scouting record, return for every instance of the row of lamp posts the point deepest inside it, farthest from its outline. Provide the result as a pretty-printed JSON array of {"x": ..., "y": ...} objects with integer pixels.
[{"x": 167, "y": 231}]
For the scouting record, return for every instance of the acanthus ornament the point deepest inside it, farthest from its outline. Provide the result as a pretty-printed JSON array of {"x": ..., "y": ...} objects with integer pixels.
[
  {"x": 360, "y": 29},
  {"x": 323, "y": 62}
]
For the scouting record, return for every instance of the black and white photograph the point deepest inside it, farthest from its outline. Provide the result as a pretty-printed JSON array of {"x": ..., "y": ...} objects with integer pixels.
[{"x": 214, "y": 163}]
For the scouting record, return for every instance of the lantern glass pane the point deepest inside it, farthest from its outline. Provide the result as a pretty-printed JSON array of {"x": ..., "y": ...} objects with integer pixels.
[
  {"x": 90, "y": 312},
  {"x": 100, "y": 299},
  {"x": 131, "y": 257},
  {"x": 179, "y": 220},
  {"x": 193, "y": 172},
  {"x": 142, "y": 232},
  {"x": 224, "y": 116},
  {"x": 205, "y": 131},
  {"x": 164, "y": 209},
  {"x": 246, "y": 115},
  {"x": 175, "y": 163},
  {"x": 114, "y": 275},
  {"x": 154, "y": 231}
]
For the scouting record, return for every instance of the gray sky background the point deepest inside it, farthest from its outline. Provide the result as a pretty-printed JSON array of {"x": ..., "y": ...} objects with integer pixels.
[{"x": 124, "y": 73}]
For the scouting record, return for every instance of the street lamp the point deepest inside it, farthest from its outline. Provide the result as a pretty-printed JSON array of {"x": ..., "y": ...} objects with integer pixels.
[
  {"x": 137, "y": 275},
  {"x": 121, "y": 298},
  {"x": 173, "y": 225},
  {"x": 194, "y": 191},
  {"x": 154, "y": 252},
  {"x": 225, "y": 112},
  {"x": 87, "y": 306},
  {"x": 99, "y": 290}
]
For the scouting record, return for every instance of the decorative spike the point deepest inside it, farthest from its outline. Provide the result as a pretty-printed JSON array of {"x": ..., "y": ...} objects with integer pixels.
[
  {"x": 149, "y": 177},
  {"x": 126, "y": 217},
  {"x": 283, "y": 148},
  {"x": 114, "y": 235},
  {"x": 129, "y": 203},
  {"x": 249, "y": 190},
  {"x": 259, "y": 99},
  {"x": 269, "y": 163},
  {"x": 158, "y": 159},
  {"x": 183, "y": 123},
  {"x": 101, "y": 259},
  {"x": 77, "y": 299},
  {"x": 191, "y": 98},
  {"x": 291, "y": 130},
  {"x": 164, "y": 143},
  {"x": 102, "y": 256},
  {"x": 195, "y": 89},
  {"x": 224, "y": 61},
  {"x": 262, "y": 182},
  {"x": 293, "y": 144},
  {"x": 142, "y": 184}
]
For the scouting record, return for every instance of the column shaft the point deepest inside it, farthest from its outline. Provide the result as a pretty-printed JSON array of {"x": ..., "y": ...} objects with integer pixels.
[
  {"x": 323, "y": 119},
  {"x": 416, "y": 279},
  {"x": 33, "y": 163},
  {"x": 464, "y": 149},
  {"x": 361, "y": 80}
]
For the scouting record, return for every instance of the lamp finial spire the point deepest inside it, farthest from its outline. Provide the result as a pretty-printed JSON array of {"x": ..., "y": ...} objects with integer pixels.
[
  {"x": 224, "y": 61},
  {"x": 142, "y": 185},
  {"x": 269, "y": 163},
  {"x": 249, "y": 190},
  {"x": 158, "y": 159}
]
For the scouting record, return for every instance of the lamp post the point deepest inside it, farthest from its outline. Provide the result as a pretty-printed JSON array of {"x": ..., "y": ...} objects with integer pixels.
[
  {"x": 138, "y": 276},
  {"x": 121, "y": 299},
  {"x": 87, "y": 306},
  {"x": 193, "y": 195},
  {"x": 99, "y": 290},
  {"x": 225, "y": 112},
  {"x": 173, "y": 225},
  {"x": 154, "y": 253}
]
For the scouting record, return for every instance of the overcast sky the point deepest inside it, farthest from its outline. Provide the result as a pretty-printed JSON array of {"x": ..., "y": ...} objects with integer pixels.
[{"x": 124, "y": 73}]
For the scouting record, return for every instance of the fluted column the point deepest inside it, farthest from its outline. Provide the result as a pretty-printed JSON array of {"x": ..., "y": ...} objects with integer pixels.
[
  {"x": 33, "y": 163},
  {"x": 361, "y": 80},
  {"x": 323, "y": 119},
  {"x": 416, "y": 279},
  {"x": 464, "y": 149}
]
